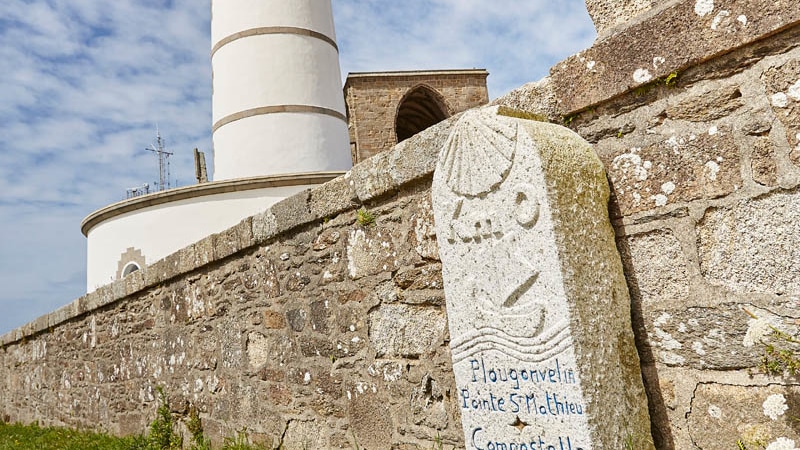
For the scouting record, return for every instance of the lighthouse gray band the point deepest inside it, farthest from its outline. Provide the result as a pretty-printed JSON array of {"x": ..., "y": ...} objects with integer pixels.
[
  {"x": 274, "y": 30},
  {"x": 277, "y": 109}
]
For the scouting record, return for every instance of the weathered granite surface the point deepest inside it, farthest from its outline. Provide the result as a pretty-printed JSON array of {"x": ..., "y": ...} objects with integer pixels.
[{"x": 607, "y": 14}]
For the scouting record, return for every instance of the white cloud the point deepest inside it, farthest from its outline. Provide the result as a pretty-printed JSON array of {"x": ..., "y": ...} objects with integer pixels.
[
  {"x": 86, "y": 82},
  {"x": 516, "y": 41}
]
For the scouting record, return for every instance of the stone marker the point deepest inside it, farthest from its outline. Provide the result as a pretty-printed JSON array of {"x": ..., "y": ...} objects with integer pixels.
[{"x": 538, "y": 308}]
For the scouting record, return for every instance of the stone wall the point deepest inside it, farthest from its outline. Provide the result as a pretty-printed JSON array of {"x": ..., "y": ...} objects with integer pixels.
[
  {"x": 373, "y": 100},
  {"x": 309, "y": 326}
]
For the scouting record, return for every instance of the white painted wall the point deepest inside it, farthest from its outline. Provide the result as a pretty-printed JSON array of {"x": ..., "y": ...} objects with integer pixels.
[
  {"x": 232, "y": 16},
  {"x": 161, "y": 230},
  {"x": 247, "y": 74},
  {"x": 301, "y": 151},
  {"x": 276, "y": 70}
]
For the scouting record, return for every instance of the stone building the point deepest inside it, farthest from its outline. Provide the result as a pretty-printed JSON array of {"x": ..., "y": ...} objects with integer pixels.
[{"x": 384, "y": 108}]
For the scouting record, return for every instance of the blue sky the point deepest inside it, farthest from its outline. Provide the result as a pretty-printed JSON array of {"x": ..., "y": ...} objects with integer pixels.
[{"x": 85, "y": 83}]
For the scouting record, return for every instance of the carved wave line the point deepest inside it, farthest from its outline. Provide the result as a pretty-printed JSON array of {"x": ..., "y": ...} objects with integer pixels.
[
  {"x": 559, "y": 348},
  {"x": 539, "y": 339},
  {"x": 530, "y": 353}
]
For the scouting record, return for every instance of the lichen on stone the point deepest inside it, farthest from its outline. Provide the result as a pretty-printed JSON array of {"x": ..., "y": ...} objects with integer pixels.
[{"x": 520, "y": 114}]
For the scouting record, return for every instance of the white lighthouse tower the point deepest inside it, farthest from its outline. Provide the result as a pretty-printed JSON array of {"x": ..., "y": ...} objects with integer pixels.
[
  {"x": 279, "y": 127},
  {"x": 278, "y": 106}
]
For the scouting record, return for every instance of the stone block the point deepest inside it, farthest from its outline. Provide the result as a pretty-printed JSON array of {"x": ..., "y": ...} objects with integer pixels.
[
  {"x": 292, "y": 212},
  {"x": 332, "y": 198},
  {"x": 157, "y": 273},
  {"x": 258, "y": 350},
  {"x": 763, "y": 165},
  {"x": 172, "y": 265},
  {"x": 118, "y": 290},
  {"x": 226, "y": 243},
  {"x": 707, "y": 106},
  {"x": 265, "y": 227},
  {"x": 783, "y": 88},
  {"x": 244, "y": 232},
  {"x": 607, "y": 14},
  {"x": 537, "y": 305},
  {"x": 61, "y": 315},
  {"x": 326, "y": 239},
  {"x": 416, "y": 157},
  {"x": 417, "y": 278},
  {"x": 424, "y": 238},
  {"x": 311, "y": 347},
  {"x": 370, "y": 251},
  {"x": 89, "y": 302},
  {"x": 537, "y": 97},
  {"x": 371, "y": 178},
  {"x": 39, "y": 324},
  {"x": 405, "y": 331},
  {"x": 134, "y": 283},
  {"x": 301, "y": 435},
  {"x": 656, "y": 268},
  {"x": 319, "y": 315},
  {"x": 754, "y": 245},
  {"x": 679, "y": 35},
  {"x": 27, "y": 331},
  {"x": 370, "y": 430},
  {"x": 204, "y": 251},
  {"x": 701, "y": 338},
  {"x": 296, "y": 319},
  {"x": 758, "y": 416},
  {"x": 273, "y": 320},
  {"x": 681, "y": 168}
]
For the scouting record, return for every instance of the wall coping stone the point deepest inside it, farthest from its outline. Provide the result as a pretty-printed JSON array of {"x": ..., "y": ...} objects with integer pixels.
[{"x": 651, "y": 47}]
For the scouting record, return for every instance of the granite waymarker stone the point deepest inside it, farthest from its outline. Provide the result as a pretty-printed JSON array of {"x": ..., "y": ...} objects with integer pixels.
[{"x": 537, "y": 304}]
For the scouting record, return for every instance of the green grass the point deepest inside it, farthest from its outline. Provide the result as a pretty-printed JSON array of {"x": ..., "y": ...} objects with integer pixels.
[
  {"x": 33, "y": 437},
  {"x": 162, "y": 435}
]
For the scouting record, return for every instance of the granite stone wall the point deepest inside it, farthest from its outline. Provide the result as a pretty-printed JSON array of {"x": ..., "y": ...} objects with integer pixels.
[{"x": 310, "y": 326}]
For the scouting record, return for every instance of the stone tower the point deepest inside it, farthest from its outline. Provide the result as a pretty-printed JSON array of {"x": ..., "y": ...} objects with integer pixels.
[{"x": 277, "y": 99}]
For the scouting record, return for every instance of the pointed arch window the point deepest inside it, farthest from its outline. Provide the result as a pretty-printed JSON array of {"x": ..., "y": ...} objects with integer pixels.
[{"x": 421, "y": 107}]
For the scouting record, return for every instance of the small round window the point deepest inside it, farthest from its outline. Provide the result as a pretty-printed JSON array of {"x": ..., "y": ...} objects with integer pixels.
[{"x": 130, "y": 268}]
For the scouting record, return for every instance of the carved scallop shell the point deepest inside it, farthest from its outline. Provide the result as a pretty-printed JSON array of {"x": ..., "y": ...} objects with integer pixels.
[{"x": 478, "y": 153}]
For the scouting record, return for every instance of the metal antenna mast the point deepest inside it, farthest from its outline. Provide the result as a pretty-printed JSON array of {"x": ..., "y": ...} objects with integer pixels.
[{"x": 163, "y": 162}]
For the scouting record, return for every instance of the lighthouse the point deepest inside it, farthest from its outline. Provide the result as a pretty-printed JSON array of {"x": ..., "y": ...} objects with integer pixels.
[
  {"x": 277, "y": 100},
  {"x": 279, "y": 127}
]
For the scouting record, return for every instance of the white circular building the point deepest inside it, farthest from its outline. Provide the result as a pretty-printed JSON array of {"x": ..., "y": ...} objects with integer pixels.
[{"x": 279, "y": 127}]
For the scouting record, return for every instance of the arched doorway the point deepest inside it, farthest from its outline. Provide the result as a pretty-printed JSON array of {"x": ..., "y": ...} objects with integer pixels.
[{"x": 420, "y": 108}]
